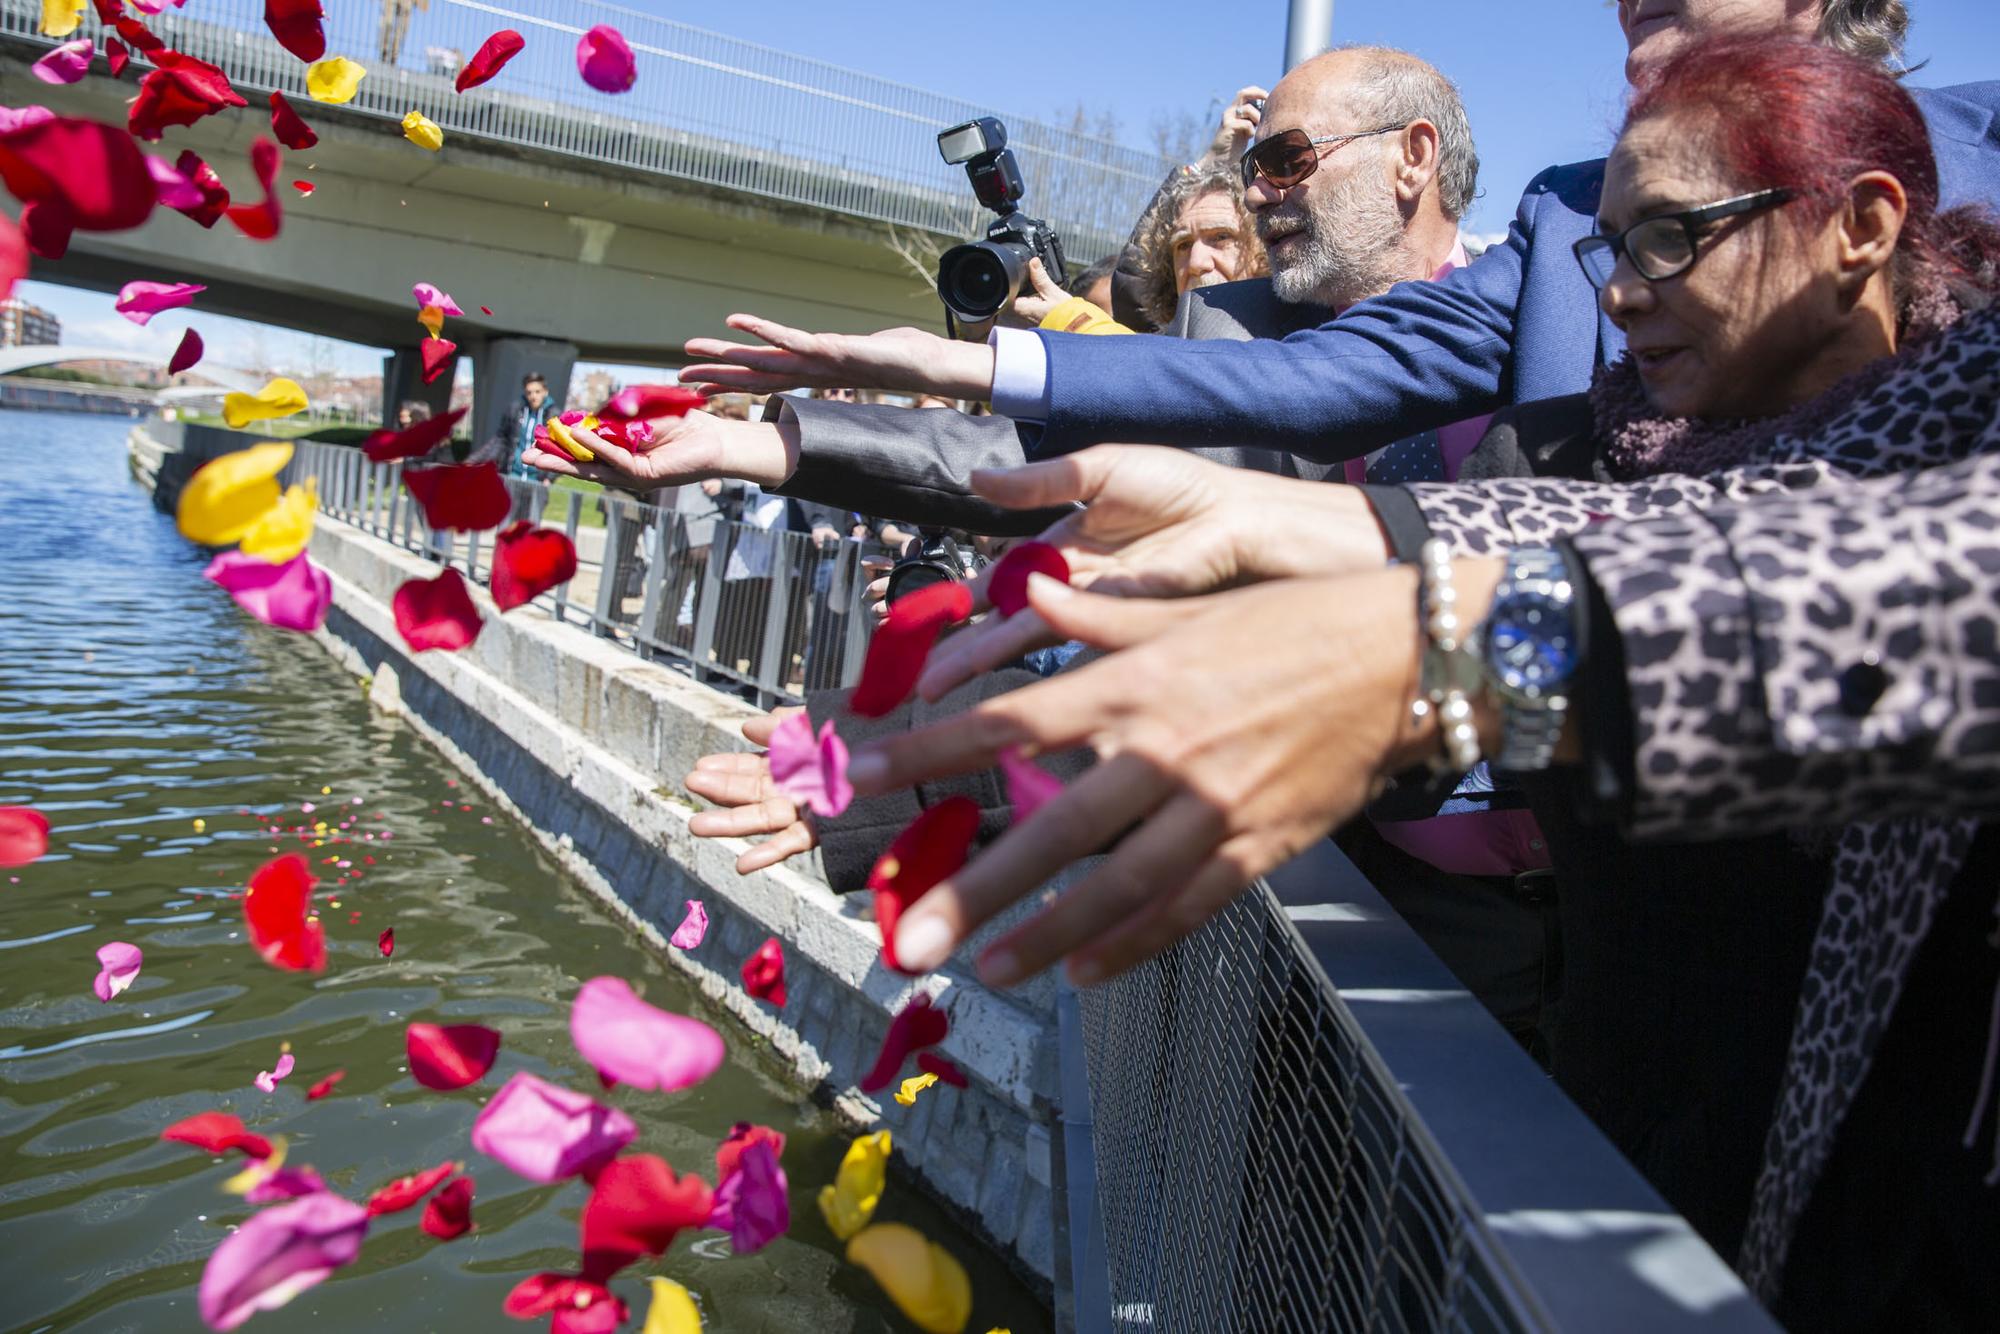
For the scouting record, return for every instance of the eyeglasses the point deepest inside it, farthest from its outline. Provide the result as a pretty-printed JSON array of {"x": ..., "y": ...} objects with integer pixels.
[
  {"x": 1288, "y": 157},
  {"x": 1663, "y": 247}
]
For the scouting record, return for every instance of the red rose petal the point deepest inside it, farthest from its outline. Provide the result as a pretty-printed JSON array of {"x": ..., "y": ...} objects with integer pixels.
[
  {"x": 289, "y": 126},
  {"x": 485, "y": 310},
  {"x": 764, "y": 972},
  {"x": 637, "y": 1208},
  {"x": 278, "y": 908},
  {"x": 901, "y": 643},
  {"x": 403, "y": 1192},
  {"x": 305, "y": 188},
  {"x": 741, "y": 1136},
  {"x": 116, "y": 55},
  {"x": 449, "y": 1214},
  {"x": 325, "y": 1086},
  {"x": 136, "y": 34},
  {"x": 296, "y": 25},
  {"x": 1007, "y": 585},
  {"x": 931, "y": 847},
  {"x": 541, "y": 1294},
  {"x": 386, "y": 446},
  {"x": 90, "y": 176},
  {"x": 645, "y": 401},
  {"x": 24, "y": 835},
  {"x": 187, "y": 354},
  {"x": 217, "y": 1132},
  {"x": 46, "y": 225},
  {"x": 450, "y": 1056},
  {"x": 437, "y": 354},
  {"x": 215, "y": 194},
  {"x": 179, "y": 91},
  {"x": 467, "y": 496},
  {"x": 260, "y": 222},
  {"x": 930, "y": 1063},
  {"x": 386, "y": 942},
  {"x": 529, "y": 561},
  {"x": 918, "y": 1024},
  {"x": 14, "y": 259},
  {"x": 491, "y": 57}
]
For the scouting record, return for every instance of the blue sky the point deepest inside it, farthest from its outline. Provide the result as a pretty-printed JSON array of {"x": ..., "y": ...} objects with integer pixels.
[{"x": 1541, "y": 80}]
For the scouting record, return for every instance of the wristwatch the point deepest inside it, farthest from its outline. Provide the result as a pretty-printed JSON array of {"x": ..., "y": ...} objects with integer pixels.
[{"x": 1527, "y": 647}]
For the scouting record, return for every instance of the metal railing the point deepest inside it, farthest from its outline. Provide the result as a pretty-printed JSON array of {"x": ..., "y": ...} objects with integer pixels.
[
  {"x": 769, "y": 611},
  {"x": 706, "y": 107},
  {"x": 1301, "y": 1121}
]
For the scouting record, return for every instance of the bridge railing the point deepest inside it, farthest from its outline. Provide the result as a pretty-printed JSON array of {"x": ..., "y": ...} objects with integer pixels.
[
  {"x": 736, "y": 603},
  {"x": 706, "y": 107}
]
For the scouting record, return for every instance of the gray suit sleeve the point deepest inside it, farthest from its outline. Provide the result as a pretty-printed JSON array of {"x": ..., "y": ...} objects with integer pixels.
[{"x": 910, "y": 464}]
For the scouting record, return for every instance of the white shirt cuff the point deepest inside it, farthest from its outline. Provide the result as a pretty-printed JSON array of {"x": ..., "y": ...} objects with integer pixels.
[{"x": 1020, "y": 374}]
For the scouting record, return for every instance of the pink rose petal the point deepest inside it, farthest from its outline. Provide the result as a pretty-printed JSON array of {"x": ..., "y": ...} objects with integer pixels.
[
  {"x": 176, "y": 190},
  {"x": 1029, "y": 786},
  {"x": 692, "y": 929},
  {"x": 118, "y": 968},
  {"x": 635, "y": 1043},
  {"x": 287, "y": 1183},
  {"x": 605, "y": 60},
  {"x": 140, "y": 301},
  {"x": 812, "y": 772},
  {"x": 291, "y": 596},
  {"x": 278, "y": 1253},
  {"x": 547, "y": 1133},
  {"x": 428, "y": 295},
  {"x": 66, "y": 64},
  {"x": 267, "y": 1080}
]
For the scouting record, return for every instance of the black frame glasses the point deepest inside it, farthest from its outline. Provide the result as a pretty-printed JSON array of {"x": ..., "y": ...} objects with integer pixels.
[
  {"x": 1668, "y": 244},
  {"x": 1289, "y": 156}
]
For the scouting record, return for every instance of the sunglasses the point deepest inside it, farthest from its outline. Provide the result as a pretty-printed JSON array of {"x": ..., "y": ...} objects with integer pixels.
[
  {"x": 1665, "y": 246},
  {"x": 1288, "y": 157}
]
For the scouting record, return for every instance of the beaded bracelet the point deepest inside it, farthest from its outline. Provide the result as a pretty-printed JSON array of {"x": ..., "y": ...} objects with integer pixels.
[{"x": 1449, "y": 675}]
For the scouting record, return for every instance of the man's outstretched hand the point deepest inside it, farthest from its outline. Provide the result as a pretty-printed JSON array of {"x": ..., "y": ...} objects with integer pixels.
[
  {"x": 906, "y": 360},
  {"x": 694, "y": 448}
]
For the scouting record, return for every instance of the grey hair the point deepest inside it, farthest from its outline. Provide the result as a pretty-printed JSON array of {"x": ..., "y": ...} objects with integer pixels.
[
  {"x": 1871, "y": 29},
  {"x": 1397, "y": 88},
  {"x": 1155, "y": 235}
]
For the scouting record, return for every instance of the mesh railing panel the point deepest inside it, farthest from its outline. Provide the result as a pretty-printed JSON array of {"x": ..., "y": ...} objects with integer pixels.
[{"x": 1257, "y": 1167}]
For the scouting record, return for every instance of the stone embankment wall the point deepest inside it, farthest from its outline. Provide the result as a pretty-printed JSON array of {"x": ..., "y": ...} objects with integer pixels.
[{"x": 587, "y": 743}]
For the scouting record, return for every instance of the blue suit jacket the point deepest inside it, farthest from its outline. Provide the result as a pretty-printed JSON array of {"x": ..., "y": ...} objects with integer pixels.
[{"x": 1519, "y": 323}]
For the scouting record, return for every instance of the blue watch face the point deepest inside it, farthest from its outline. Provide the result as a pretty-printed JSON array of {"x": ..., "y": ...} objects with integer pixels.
[{"x": 1529, "y": 644}]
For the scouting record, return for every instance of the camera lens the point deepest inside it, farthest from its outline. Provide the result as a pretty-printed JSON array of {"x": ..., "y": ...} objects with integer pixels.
[{"x": 977, "y": 280}]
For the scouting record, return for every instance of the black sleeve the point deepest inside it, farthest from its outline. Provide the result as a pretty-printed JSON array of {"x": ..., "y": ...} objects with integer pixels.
[
  {"x": 1402, "y": 520},
  {"x": 1600, "y": 703}
]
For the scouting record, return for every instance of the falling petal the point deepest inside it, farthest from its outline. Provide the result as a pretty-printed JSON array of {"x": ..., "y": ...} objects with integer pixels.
[
  {"x": 61, "y": 17},
  {"x": 933, "y": 1064},
  {"x": 215, "y": 195},
  {"x": 140, "y": 301},
  {"x": 118, "y": 968},
  {"x": 276, "y": 1254},
  {"x": 915, "y": 1084},
  {"x": 897, "y": 651},
  {"x": 436, "y": 613},
  {"x": 577, "y": 1305},
  {"x": 692, "y": 929},
  {"x": 605, "y": 60},
  {"x": 291, "y": 596},
  {"x": 921, "y": 1277},
  {"x": 729, "y": 1153},
  {"x": 281, "y": 532},
  {"x": 917, "y": 1025},
  {"x": 432, "y": 318},
  {"x": 278, "y": 908},
  {"x": 14, "y": 256},
  {"x": 637, "y": 1208},
  {"x": 673, "y": 1310},
  {"x": 24, "y": 835},
  {"x": 449, "y": 1214},
  {"x": 470, "y": 497},
  {"x": 422, "y": 131},
  {"x": 764, "y": 972},
  {"x": 226, "y": 496},
  {"x": 334, "y": 80},
  {"x": 279, "y": 398},
  {"x": 850, "y": 1201},
  {"x": 429, "y": 294},
  {"x": 931, "y": 847},
  {"x": 66, "y": 63},
  {"x": 753, "y": 1203},
  {"x": 811, "y": 771},
  {"x": 261, "y": 221},
  {"x": 325, "y": 1086},
  {"x": 286, "y": 1183},
  {"x": 646, "y": 401},
  {"x": 74, "y": 175},
  {"x": 187, "y": 354},
  {"x": 1029, "y": 786},
  {"x": 176, "y": 190},
  {"x": 386, "y": 942},
  {"x": 450, "y": 1056},
  {"x": 529, "y": 561},
  {"x": 1007, "y": 583},
  {"x": 267, "y": 1080},
  {"x": 179, "y": 91},
  {"x": 547, "y": 1133},
  {"x": 386, "y": 446},
  {"x": 491, "y": 57},
  {"x": 485, "y": 310},
  {"x": 305, "y": 188},
  {"x": 217, "y": 1133},
  {"x": 296, "y": 25},
  {"x": 635, "y": 1043},
  {"x": 289, "y": 126},
  {"x": 116, "y": 56},
  {"x": 437, "y": 354},
  {"x": 405, "y": 1191}
]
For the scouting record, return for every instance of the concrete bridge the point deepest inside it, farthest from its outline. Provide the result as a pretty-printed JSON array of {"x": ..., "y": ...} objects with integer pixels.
[{"x": 733, "y": 177}]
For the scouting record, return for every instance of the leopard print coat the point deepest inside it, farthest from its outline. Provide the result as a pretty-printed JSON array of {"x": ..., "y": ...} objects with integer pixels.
[{"x": 1805, "y": 646}]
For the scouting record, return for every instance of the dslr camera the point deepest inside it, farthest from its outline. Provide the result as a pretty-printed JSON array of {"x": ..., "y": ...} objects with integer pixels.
[
  {"x": 977, "y": 280},
  {"x": 934, "y": 558}
]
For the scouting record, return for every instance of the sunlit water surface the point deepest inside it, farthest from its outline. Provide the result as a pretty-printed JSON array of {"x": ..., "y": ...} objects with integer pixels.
[{"x": 136, "y": 700}]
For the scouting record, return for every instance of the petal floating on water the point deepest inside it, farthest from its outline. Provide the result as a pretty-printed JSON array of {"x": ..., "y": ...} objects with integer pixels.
[
  {"x": 449, "y": 1213},
  {"x": 548, "y": 1133},
  {"x": 287, "y": 1183},
  {"x": 24, "y": 835},
  {"x": 405, "y": 1191},
  {"x": 118, "y": 968},
  {"x": 639, "y": 1044},
  {"x": 450, "y": 1056},
  {"x": 276, "y": 1254},
  {"x": 325, "y": 1086},
  {"x": 216, "y": 1132},
  {"x": 386, "y": 942}
]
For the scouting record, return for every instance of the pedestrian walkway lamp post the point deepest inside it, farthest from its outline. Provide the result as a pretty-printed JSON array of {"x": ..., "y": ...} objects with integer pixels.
[{"x": 1308, "y": 30}]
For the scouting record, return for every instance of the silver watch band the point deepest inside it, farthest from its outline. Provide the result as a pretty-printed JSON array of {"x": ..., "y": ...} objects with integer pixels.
[{"x": 1531, "y": 720}]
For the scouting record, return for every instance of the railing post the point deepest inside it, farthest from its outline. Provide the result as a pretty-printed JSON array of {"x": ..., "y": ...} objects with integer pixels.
[
  {"x": 708, "y": 596},
  {"x": 774, "y": 666},
  {"x": 609, "y": 575},
  {"x": 1083, "y": 1277}
]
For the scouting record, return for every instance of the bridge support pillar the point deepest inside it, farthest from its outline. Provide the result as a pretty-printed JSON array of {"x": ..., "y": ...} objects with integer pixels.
[
  {"x": 499, "y": 367},
  {"x": 403, "y": 380}
]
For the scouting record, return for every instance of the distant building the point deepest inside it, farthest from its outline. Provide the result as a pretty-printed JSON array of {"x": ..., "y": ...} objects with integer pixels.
[
  {"x": 590, "y": 390},
  {"x": 24, "y": 325}
]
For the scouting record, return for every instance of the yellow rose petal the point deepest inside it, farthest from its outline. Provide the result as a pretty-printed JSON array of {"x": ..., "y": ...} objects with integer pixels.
[
  {"x": 259, "y": 1170},
  {"x": 575, "y": 448},
  {"x": 334, "y": 79},
  {"x": 921, "y": 1277},
  {"x": 60, "y": 17},
  {"x": 422, "y": 131},
  {"x": 673, "y": 1310},
  {"x": 912, "y": 1086},
  {"x": 279, "y": 398},
  {"x": 432, "y": 318},
  {"x": 286, "y": 527},
  {"x": 227, "y": 496},
  {"x": 850, "y": 1201}
]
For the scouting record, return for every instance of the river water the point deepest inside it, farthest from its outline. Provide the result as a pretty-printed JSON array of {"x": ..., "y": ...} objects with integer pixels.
[{"x": 136, "y": 701}]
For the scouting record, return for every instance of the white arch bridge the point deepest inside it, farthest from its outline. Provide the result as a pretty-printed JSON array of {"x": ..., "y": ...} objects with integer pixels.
[{"x": 14, "y": 360}]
